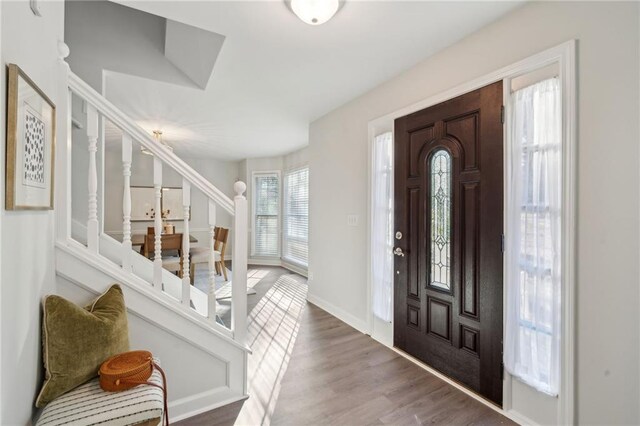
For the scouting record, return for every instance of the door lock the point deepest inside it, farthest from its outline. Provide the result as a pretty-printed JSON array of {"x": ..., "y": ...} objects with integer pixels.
[
  {"x": 398, "y": 235},
  {"x": 398, "y": 252}
]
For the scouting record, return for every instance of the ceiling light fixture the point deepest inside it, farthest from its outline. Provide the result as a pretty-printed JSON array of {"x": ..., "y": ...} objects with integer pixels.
[
  {"x": 315, "y": 12},
  {"x": 157, "y": 135}
]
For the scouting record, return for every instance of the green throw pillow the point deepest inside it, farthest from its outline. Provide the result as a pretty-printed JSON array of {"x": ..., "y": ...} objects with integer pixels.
[{"x": 76, "y": 341}]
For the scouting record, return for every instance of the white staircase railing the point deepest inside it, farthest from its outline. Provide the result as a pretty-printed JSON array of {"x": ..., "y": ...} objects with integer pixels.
[{"x": 97, "y": 107}]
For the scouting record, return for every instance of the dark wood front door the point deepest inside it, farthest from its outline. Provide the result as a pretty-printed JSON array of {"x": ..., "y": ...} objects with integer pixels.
[{"x": 448, "y": 223}]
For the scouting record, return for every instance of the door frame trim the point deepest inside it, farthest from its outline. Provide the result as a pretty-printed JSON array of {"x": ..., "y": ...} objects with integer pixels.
[{"x": 565, "y": 56}]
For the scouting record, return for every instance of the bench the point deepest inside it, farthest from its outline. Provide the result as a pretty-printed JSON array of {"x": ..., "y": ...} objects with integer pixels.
[{"x": 88, "y": 405}]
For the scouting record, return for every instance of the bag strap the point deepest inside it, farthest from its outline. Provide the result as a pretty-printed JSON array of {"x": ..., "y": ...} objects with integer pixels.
[{"x": 163, "y": 387}]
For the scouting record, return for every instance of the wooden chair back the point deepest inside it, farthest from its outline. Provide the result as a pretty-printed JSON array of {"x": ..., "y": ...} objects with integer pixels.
[
  {"x": 168, "y": 242},
  {"x": 215, "y": 237},
  {"x": 220, "y": 243}
]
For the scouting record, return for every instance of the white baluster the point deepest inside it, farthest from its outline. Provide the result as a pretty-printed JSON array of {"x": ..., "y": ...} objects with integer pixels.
[
  {"x": 212, "y": 262},
  {"x": 239, "y": 273},
  {"x": 186, "y": 206},
  {"x": 157, "y": 186},
  {"x": 92, "y": 221},
  {"x": 126, "y": 202}
]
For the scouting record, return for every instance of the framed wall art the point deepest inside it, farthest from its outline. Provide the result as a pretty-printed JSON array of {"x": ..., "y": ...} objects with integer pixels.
[
  {"x": 172, "y": 204},
  {"x": 31, "y": 134},
  {"x": 143, "y": 204}
]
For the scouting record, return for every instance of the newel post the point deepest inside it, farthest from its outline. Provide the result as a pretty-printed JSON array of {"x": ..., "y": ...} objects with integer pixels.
[
  {"x": 63, "y": 151},
  {"x": 239, "y": 273}
]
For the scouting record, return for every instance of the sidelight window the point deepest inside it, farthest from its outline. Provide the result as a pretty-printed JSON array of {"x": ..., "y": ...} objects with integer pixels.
[
  {"x": 382, "y": 226},
  {"x": 440, "y": 270},
  {"x": 533, "y": 240}
]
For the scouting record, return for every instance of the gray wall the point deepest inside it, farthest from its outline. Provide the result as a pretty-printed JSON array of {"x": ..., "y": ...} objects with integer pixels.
[
  {"x": 27, "y": 247},
  {"x": 107, "y": 36},
  {"x": 608, "y": 325}
]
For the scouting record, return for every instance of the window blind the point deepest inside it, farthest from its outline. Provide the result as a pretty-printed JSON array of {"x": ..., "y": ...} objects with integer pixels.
[
  {"x": 266, "y": 195},
  {"x": 296, "y": 217}
]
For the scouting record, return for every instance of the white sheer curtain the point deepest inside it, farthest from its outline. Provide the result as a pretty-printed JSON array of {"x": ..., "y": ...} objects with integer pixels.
[
  {"x": 382, "y": 226},
  {"x": 533, "y": 240}
]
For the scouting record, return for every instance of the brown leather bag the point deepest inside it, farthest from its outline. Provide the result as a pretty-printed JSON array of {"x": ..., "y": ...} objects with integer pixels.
[{"x": 130, "y": 369}]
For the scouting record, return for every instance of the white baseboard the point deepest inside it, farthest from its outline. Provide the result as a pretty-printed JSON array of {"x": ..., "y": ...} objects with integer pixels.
[
  {"x": 264, "y": 261},
  {"x": 295, "y": 268},
  {"x": 519, "y": 418},
  {"x": 194, "y": 405},
  {"x": 339, "y": 313}
]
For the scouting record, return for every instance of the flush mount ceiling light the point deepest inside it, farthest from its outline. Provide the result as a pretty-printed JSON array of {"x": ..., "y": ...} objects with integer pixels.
[
  {"x": 157, "y": 135},
  {"x": 315, "y": 12}
]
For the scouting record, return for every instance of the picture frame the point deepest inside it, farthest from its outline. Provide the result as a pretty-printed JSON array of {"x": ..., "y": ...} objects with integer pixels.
[
  {"x": 143, "y": 204},
  {"x": 30, "y": 144},
  {"x": 172, "y": 204}
]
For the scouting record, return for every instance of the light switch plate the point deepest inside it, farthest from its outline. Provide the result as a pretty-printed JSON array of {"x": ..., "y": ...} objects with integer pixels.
[{"x": 352, "y": 220}]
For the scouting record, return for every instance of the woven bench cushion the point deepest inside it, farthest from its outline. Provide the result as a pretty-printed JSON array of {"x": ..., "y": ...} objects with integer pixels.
[{"x": 88, "y": 404}]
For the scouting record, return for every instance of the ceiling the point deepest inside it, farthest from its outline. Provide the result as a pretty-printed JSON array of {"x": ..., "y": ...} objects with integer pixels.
[{"x": 274, "y": 74}]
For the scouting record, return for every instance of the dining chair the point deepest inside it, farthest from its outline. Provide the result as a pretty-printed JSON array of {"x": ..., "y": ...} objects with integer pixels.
[
  {"x": 201, "y": 254},
  {"x": 171, "y": 244}
]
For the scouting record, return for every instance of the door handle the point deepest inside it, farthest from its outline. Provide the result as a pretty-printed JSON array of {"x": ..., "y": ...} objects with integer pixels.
[{"x": 398, "y": 252}]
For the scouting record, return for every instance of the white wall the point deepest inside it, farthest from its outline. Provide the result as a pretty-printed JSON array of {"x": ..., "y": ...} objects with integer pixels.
[
  {"x": 295, "y": 159},
  {"x": 27, "y": 260},
  {"x": 608, "y": 332}
]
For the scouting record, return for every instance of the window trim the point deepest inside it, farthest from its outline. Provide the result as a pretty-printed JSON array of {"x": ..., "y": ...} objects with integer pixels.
[
  {"x": 534, "y": 76},
  {"x": 564, "y": 56},
  {"x": 254, "y": 175},
  {"x": 286, "y": 172}
]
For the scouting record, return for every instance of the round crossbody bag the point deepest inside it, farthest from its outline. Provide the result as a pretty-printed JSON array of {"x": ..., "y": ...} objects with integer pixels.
[{"x": 130, "y": 369}]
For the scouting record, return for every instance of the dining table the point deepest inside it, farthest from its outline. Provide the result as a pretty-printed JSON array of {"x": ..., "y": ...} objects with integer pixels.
[{"x": 137, "y": 239}]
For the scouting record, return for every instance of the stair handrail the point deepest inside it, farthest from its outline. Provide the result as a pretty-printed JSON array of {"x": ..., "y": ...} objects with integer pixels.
[
  {"x": 127, "y": 125},
  {"x": 97, "y": 105}
]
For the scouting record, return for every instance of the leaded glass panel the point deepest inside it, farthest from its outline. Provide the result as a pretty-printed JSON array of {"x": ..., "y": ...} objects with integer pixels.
[{"x": 441, "y": 220}]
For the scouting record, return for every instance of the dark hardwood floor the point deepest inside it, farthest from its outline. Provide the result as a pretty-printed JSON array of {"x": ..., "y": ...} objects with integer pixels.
[
  {"x": 340, "y": 376},
  {"x": 309, "y": 368}
]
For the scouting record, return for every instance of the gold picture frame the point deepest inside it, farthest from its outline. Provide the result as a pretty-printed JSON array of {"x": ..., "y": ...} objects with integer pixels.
[{"x": 31, "y": 140}]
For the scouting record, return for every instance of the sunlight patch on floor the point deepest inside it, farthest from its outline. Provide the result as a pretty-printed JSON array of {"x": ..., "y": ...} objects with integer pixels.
[{"x": 272, "y": 327}]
